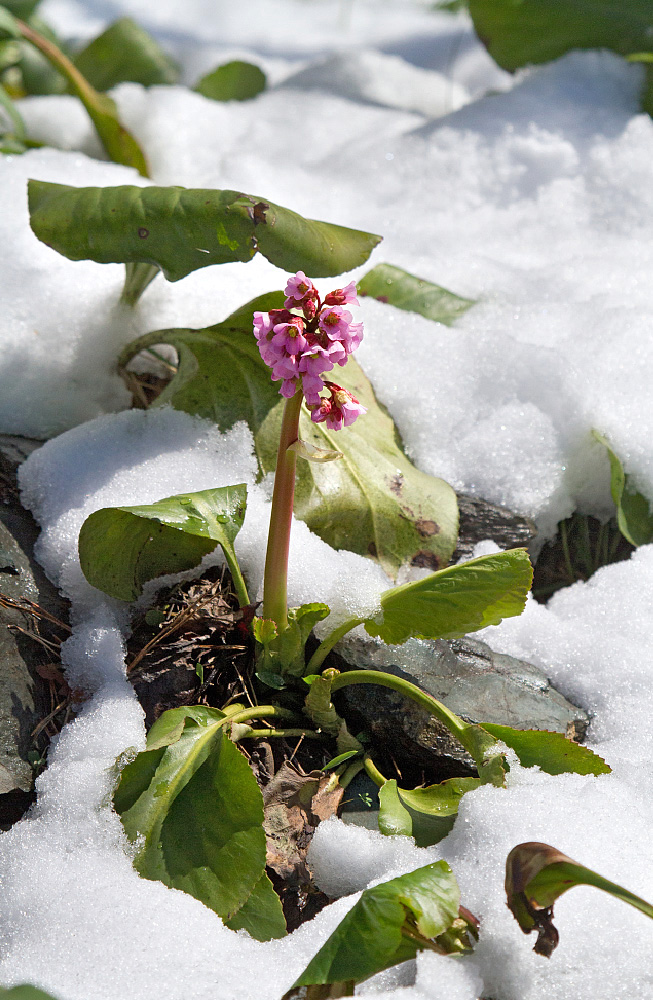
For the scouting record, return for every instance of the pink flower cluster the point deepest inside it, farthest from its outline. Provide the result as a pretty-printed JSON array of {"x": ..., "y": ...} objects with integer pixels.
[{"x": 301, "y": 348}]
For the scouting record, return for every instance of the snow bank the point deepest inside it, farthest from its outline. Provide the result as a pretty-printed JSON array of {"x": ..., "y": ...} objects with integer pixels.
[{"x": 536, "y": 202}]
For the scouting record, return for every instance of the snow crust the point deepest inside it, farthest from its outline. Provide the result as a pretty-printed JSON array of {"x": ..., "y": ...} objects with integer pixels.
[{"x": 533, "y": 197}]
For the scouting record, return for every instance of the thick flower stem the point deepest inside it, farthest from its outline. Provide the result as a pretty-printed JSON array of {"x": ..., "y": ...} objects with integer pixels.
[{"x": 275, "y": 585}]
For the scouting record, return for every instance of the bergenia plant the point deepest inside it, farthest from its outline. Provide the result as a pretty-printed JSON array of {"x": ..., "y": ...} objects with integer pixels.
[{"x": 300, "y": 344}]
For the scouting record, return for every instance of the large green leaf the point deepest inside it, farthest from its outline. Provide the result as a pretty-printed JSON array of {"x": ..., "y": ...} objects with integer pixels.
[
  {"x": 121, "y": 548},
  {"x": 634, "y": 515},
  {"x": 117, "y": 141},
  {"x": 401, "y": 289},
  {"x": 536, "y": 874},
  {"x": 519, "y": 32},
  {"x": 125, "y": 51},
  {"x": 182, "y": 229},
  {"x": 456, "y": 600},
  {"x": 9, "y": 26},
  {"x": 552, "y": 752},
  {"x": 196, "y": 813},
  {"x": 373, "y": 501},
  {"x": 428, "y": 814},
  {"x": 233, "y": 81},
  {"x": 261, "y": 915},
  {"x": 390, "y": 924}
]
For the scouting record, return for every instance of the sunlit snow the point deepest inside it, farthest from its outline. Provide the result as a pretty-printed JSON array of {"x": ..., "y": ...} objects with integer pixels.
[{"x": 532, "y": 196}]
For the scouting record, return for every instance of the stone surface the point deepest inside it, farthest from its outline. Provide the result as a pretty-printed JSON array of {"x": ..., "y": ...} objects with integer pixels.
[
  {"x": 480, "y": 520},
  {"x": 470, "y": 679},
  {"x": 23, "y": 693}
]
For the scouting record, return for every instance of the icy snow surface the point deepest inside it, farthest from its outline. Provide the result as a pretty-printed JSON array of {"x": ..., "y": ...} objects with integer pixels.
[{"x": 533, "y": 197}]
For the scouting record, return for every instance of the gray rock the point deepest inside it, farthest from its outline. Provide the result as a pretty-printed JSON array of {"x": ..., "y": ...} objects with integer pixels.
[
  {"x": 480, "y": 520},
  {"x": 470, "y": 679},
  {"x": 23, "y": 693}
]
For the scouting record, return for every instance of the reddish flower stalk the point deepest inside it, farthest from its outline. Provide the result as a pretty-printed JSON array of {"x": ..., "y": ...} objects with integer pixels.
[{"x": 300, "y": 349}]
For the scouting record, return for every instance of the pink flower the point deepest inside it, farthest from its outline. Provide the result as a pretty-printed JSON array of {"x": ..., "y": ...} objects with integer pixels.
[
  {"x": 290, "y": 336},
  {"x": 312, "y": 386},
  {"x": 346, "y": 408},
  {"x": 288, "y": 387},
  {"x": 335, "y": 322},
  {"x": 298, "y": 289},
  {"x": 262, "y": 325},
  {"x": 342, "y": 296}
]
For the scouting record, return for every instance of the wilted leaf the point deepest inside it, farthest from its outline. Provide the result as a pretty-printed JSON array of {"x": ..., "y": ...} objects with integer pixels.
[
  {"x": 196, "y": 811},
  {"x": 121, "y": 548},
  {"x": 456, "y": 600},
  {"x": 401, "y": 289},
  {"x": 389, "y": 924},
  {"x": 634, "y": 515},
  {"x": 536, "y": 874},
  {"x": 181, "y": 229},
  {"x": 552, "y": 752},
  {"x": 125, "y": 51},
  {"x": 234, "y": 81},
  {"x": 535, "y": 31},
  {"x": 118, "y": 142}
]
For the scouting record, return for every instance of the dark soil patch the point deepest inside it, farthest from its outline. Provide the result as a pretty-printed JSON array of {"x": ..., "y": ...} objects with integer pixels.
[{"x": 583, "y": 544}]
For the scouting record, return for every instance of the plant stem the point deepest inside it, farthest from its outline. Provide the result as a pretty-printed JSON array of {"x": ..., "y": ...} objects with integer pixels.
[
  {"x": 373, "y": 772},
  {"x": 325, "y": 647},
  {"x": 275, "y": 584},
  {"x": 137, "y": 277},
  {"x": 262, "y": 712},
  {"x": 349, "y": 772},
  {"x": 565, "y": 550},
  {"x": 453, "y": 723},
  {"x": 262, "y": 734}
]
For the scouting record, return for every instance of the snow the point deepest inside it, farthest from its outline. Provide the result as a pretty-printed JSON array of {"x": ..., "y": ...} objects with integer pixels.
[{"x": 530, "y": 195}]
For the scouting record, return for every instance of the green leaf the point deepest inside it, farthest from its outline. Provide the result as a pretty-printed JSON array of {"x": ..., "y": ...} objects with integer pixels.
[
  {"x": 399, "y": 288},
  {"x": 373, "y": 501},
  {"x": 9, "y": 27},
  {"x": 283, "y": 653},
  {"x": 427, "y": 814},
  {"x": 25, "y": 992},
  {"x": 125, "y": 51},
  {"x": 536, "y": 875},
  {"x": 220, "y": 373},
  {"x": 261, "y": 915},
  {"x": 340, "y": 759},
  {"x": 456, "y": 600},
  {"x": 196, "y": 812},
  {"x": 389, "y": 924},
  {"x": 519, "y": 32},
  {"x": 181, "y": 229},
  {"x": 552, "y": 752},
  {"x": 17, "y": 129},
  {"x": 121, "y": 548},
  {"x": 634, "y": 515},
  {"x": 234, "y": 81},
  {"x": 119, "y": 144},
  {"x": 21, "y": 8}
]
